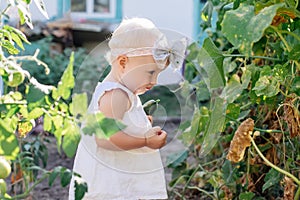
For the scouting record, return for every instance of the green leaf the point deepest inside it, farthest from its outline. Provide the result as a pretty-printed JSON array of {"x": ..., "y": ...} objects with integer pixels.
[
  {"x": 18, "y": 32},
  {"x": 80, "y": 188},
  {"x": 34, "y": 94},
  {"x": 111, "y": 126},
  {"x": 216, "y": 123},
  {"x": 9, "y": 146},
  {"x": 41, "y": 6},
  {"x": 71, "y": 138},
  {"x": 57, "y": 121},
  {"x": 189, "y": 136},
  {"x": 233, "y": 111},
  {"x": 202, "y": 92},
  {"x": 65, "y": 177},
  {"x": 246, "y": 77},
  {"x": 35, "y": 113},
  {"x": 27, "y": 1},
  {"x": 296, "y": 86},
  {"x": 294, "y": 54},
  {"x": 206, "y": 14},
  {"x": 100, "y": 126},
  {"x": 10, "y": 47},
  {"x": 58, "y": 136},
  {"x": 17, "y": 40},
  {"x": 229, "y": 65},
  {"x": 262, "y": 83},
  {"x": 243, "y": 28},
  {"x": 54, "y": 173},
  {"x": 266, "y": 87},
  {"x": 210, "y": 59},
  {"x": 24, "y": 111},
  {"x": 25, "y": 16},
  {"x": 246, "y": 196},
  {"x": 227, "y": 172},
  {"x": 15, "y": 79},
  {"x": 78, "y": 107},
  {"x": 47, "y": 122},
  {"x": 66, "y": 83},
  {"x": 176, "y": 159},
  {"x": 233, "y": 89},
  {"x": 273, "y": 177},
  {"x": 12, "y": 111}
]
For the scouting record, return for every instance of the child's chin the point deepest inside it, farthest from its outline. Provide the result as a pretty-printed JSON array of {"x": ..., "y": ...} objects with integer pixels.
[{"x": 141, "y": 91}]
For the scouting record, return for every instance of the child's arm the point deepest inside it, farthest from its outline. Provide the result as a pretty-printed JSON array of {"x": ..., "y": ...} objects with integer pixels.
[{"x": 114, "y": 104}]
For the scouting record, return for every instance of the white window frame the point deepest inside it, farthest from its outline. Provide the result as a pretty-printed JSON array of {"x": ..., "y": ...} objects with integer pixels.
[{"x": 91, "y": 14}]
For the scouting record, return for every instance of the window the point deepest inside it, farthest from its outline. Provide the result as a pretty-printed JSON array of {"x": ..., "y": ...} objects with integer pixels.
[{"x": 93, "y": 9}]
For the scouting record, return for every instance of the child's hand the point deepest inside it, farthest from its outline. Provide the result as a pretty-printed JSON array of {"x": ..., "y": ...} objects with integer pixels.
[{"x": 155, "y": 138}]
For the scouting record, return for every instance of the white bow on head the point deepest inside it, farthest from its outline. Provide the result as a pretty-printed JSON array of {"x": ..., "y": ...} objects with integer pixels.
[{"x": 173, "y": 51}]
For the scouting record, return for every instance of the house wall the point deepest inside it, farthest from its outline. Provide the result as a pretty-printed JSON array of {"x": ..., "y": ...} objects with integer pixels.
[
  {"x": 51, "y": 8},
  {"x": 176, "y": 15}
]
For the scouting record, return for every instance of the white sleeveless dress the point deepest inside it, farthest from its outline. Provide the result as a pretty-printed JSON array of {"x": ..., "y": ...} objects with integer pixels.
[{"x": 120, "y": 175}]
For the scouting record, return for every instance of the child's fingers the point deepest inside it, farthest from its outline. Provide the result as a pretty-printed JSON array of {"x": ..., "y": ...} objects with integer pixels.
[
  {"x": 161, "y": 132},
  {"x": 163, "y": 135},
  {"x": 156, "y": 129}
]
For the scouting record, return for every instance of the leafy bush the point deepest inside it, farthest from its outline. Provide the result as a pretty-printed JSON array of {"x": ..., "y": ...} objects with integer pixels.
[
  {"x": 250, "y": 65},
  {"x": 62, "y": 114},
  {"x": 87, "y": 69}
]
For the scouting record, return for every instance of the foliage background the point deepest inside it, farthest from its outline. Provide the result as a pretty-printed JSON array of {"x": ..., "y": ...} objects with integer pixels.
[
  {"x": 248, "y": 68},
  {"x": 250, "y": 65}
]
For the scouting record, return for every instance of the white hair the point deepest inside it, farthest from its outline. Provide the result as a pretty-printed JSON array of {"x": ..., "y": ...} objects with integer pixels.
[{"x": 133, "y": 33}]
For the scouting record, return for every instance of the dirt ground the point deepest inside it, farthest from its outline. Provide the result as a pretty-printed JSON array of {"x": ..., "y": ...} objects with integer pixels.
[{"x": 56, "y": 192}]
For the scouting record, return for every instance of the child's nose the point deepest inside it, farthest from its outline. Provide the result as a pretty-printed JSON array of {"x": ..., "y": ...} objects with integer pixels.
[{"x": 153, "y": 80}]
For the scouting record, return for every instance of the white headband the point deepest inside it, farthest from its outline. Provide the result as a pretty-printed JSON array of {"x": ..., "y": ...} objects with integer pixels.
[{"x": 162, "y": 52}]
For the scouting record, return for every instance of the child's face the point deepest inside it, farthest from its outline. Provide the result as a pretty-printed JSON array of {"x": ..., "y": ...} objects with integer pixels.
[{"x": 140, "y": 74}]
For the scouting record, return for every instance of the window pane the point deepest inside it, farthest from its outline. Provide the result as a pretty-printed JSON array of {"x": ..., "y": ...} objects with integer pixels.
[
  {"x": 78, "y": 6},
  {"x": 101, "y": 6}
]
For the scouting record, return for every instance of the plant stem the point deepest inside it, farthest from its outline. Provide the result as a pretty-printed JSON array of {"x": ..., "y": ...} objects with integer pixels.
[
  {"x": 243, "y": 56},
  {"x": 246, "y": 105},
  {"x": 25, "y": 194},
  {"x": 292, "y": 34},
  {"x": 3, "y": 13},
  {"x": 191, "y": 177},
  {"x": 297, "y": 195},
  {"x": 35, "y": 59},
  {"x": 268, "y": 130},
  {"x": 274, "y": 166},
  {"x": 201, "y": 190},
  {"x": 282, "y": 38},
  {"x": 180, "y": 195}
]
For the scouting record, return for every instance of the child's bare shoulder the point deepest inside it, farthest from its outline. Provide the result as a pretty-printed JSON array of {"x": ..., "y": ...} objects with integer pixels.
[{"x": 114, "y": 103}]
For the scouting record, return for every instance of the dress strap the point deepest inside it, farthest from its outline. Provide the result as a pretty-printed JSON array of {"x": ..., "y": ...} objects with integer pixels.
[{"x": 103, "y": 87}]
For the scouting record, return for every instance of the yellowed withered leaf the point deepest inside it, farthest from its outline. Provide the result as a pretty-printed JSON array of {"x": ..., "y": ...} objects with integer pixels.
[
  {"x": 289, "y": 188},
  {"x": 240, "y": 141},
  {"x": 292, "y": 117}
]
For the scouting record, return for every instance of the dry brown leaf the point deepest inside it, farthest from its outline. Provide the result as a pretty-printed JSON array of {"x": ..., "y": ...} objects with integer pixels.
[
  {"x": 227, "y": 192},
  {"x": 240, "y": 141},
  {"x": 292, "y": 117},
  {"x": 272, "y": 156},
  {"x": 289, "y": 189}
]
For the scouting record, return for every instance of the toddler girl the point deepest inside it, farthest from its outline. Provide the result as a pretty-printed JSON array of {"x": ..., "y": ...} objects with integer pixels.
[{"x": 128, "y": 165}]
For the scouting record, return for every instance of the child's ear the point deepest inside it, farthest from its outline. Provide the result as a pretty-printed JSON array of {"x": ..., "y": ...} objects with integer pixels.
[{"x": 122, "y": 61}]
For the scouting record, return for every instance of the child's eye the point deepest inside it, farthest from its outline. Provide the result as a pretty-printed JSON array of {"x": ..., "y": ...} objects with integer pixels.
[{"x": 151, "y": 72}]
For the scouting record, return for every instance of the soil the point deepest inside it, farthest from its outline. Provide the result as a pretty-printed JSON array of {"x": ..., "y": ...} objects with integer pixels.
[{"x": 56, "y": 192}]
